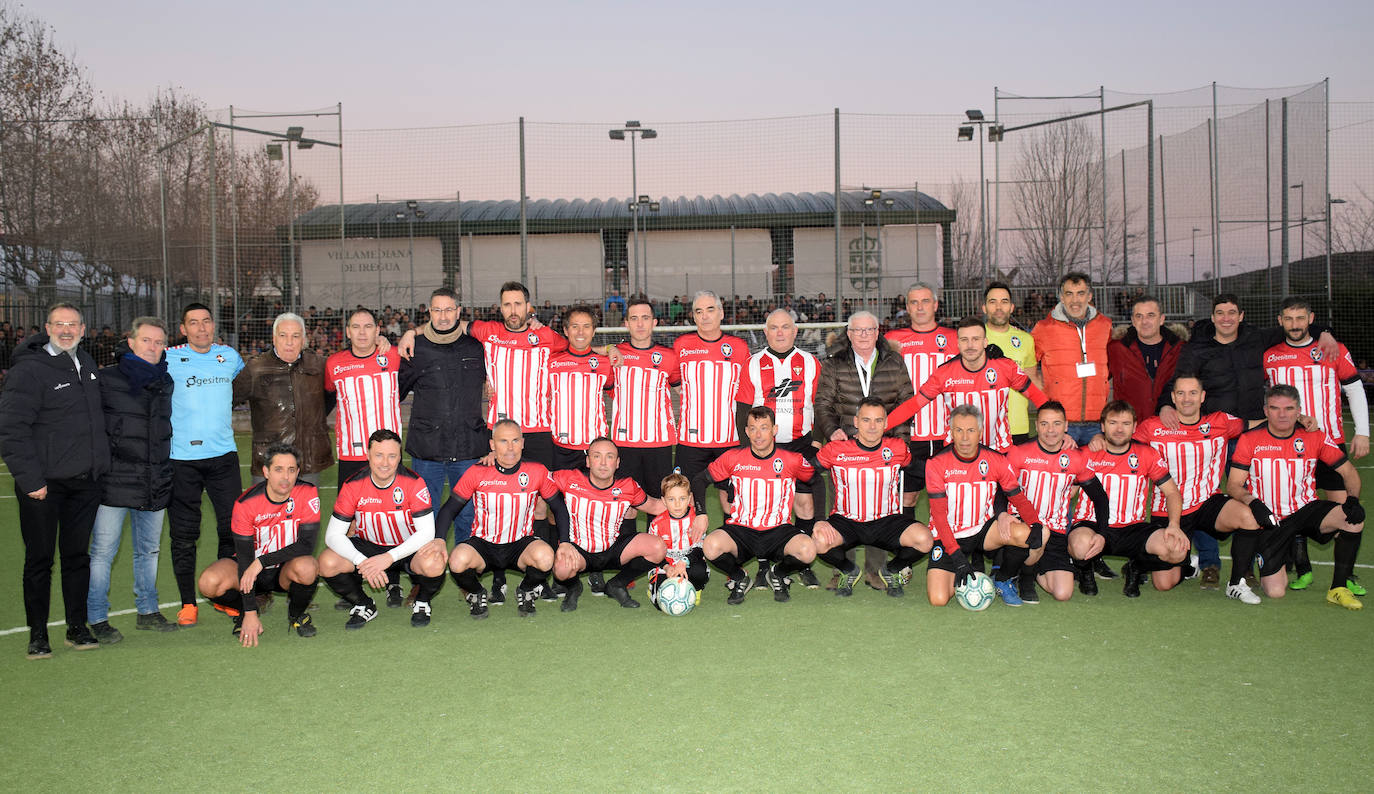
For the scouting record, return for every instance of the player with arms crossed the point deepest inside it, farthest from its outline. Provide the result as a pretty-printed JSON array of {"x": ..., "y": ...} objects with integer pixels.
[
  {"x": 595, "y": 538},
  {"x": 394, "y": 517},
  {"x": 275, "y": 524},
  {"x": 760, "y": 481},
  {"x": 867, "y": 473},
  {"x": 1127, "y": 469},
  {"x": 1274, "y": 465},
  {"x": 965, "y": 481},
  {"x": 505, "y": 495}
]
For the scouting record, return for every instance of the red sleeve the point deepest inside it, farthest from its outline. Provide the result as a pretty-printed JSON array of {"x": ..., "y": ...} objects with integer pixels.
[
  {"x": 805, "y": 471},
  {"x": 480, "y": 328},
  {"x": 902, "y": 454},
  {"x": 346, "y": 504},
  {"x": 241, "y": 524},
  {"x": 1234, "y": 426},
  {"x": 825, "y": 457},
  {"x": 420, "y": 502},
  {"x": 1345, "y": 367},
  {"x": 467, "y": 484},
  {"x": 633, "y": 492},
  {"x": 1019, "y": 379},
  {"x": 560, "y": 478},
  {"x": 719, "y": 468},
  {"x": 1244, "y": 449},
  {"x": 903, "y": 413},
  {"x": 1330, "y": 454},
  {"x": 739, "y": 354},
  {"x": 1006, "y": 478},
  {"x": 670, "y": 363},
  {"x": 309, "y": 497},
  {"x": 553, "y": 340},
  {"x": 1159, "y": 470},
  {"x": 548, "y": 488},
  {"x": 939, "y": 509},
  {"x": 328, "y": 378},
  {"x": 931, "y": 388}
]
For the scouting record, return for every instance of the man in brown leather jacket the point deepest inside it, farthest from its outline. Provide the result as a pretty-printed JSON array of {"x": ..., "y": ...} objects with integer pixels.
[{"x": 284, "y": 389}]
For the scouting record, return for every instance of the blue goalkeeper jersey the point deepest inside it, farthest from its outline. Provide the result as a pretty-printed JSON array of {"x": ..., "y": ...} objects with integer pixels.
[{"x": 202, "y": 401}]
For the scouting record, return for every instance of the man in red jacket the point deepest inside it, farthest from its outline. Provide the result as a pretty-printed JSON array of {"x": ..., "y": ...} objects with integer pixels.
[{"x": 1142, "y": 362}]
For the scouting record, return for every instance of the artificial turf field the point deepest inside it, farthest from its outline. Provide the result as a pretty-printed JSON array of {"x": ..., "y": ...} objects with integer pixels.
[{"x": 1174, "y": 691}]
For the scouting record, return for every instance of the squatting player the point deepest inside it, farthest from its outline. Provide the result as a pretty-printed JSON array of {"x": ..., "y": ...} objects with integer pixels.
[
  {"x": 393, "y": 514},
  {"x": 867, "y": 473},
  {"x": 275, "y": 524}
]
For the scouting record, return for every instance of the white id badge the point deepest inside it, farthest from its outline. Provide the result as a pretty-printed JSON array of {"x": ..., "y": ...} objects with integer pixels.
[{"x": 1086, "y": 369}]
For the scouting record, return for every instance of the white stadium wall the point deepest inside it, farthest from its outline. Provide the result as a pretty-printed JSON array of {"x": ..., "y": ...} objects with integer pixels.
[
  {"x": 370, "y": 271},
  {"x": 683, "y": 262},
  {"x": 562, "y": 267},
  {"x": 814, "y": 260}
]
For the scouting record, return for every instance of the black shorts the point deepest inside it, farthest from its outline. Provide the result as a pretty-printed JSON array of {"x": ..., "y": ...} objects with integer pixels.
[
  {"x": 348, "y": 468},
  {"x": 610, "y": 558},
  {"x": 803, "y": 446},
  {"x": 1327, "y": 478},
  {"x": 698, "y": 572},
  {"x": 371, "y": 549},
  {"x": 1020, "y": 438},
  {"x": 568, "y": 458},
  {"x": 884, "y": 533},
  {"x": 1203, "y": 519},
  {"x": 939, "y": 560},
  {"x": 1276, "y": 546},
  {"x": 765, "y": 544},
  {"x": 268, "y": 581},
  {"x": 1056, "y": 555},
  {"x": 914, "y": 475},
  {"x": 1128, "y": 541},
  {"x": 500, "y": 556},
  {"x": 539, "y": 448},
  {"x": 646, "y": 466},
  {"x": 691, "y": 461}
]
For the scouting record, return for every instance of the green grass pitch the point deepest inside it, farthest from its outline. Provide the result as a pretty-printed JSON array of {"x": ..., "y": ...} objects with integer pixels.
[{"x": 1173, "y": 691}]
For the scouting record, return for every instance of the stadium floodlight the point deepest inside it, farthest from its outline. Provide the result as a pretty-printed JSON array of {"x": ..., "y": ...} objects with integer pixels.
[
  {"x": 419, "y": 213},
  {"x": 643, "y": 199},
  {"x": 654, "y": 205},
  {"x": 995, "y": 132},
  {"x": 305, "y": 143},
  {"x": 974, "y": 115},
  {"x": 965, "y": 133},
  {"x": 617, "y": 135},
  {"x": 400, "y": 216},
  {"x": 633, "y": 124},
  {"x": 634, "y": 129},
  {"x": 648, "y": 134},
  {"x": 294, "y": 133},
  {"x": 274, "y": 152},
  {"x": 412, "y": 204}
]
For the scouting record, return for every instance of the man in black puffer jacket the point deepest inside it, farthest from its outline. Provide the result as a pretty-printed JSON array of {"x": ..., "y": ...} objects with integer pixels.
[
  {"x": 52, "y": 437},
  {"x": 136, "y": 393}
]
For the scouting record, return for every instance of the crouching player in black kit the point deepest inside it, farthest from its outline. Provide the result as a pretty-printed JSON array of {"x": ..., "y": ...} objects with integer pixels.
[
  {"x": 867, "y": 472},
  {"x": 394, "y": 520},
  {"x": 504, "y": 496},
  {"x": 674, "y": 526},
  {"x": 275, "y": 524},
  {"x": 594, "y": 536}
]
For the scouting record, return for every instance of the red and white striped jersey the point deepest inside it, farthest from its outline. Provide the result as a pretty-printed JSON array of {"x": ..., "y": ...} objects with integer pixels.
[
  {"x": 503, "y": 503},
  {"x": 712, "y": 382},
  {"x": 764, "y": 487},
  {"x": 369, "y": 399},
  {"x": 518, "y": 370},
  {"x": 922, "y": 352},
  {"x": 1195, "y": 455},
  {"x": 577, "y": 392},
  {"x": 384, "y": 516},
  {"x": 1316, "y": 377},
  {"x": 787, "y": 384},
  {"x": 963, "y": 493},
  {"x": 987, "y": 388},
  {"x": 1048, "y": 478},
  {"x": 676, "y": 532},
  {"x": 1126, "y": 477},
  {"x": 868, "y": 482},
  {"x": 642, "y": 408},
  {"x": 274, "y": 525},
  {"x": 596, "y": 513},
  {"x": 1283, "y": 470}
]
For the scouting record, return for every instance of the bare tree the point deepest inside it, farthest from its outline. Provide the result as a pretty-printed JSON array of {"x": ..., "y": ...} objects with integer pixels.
[{"x": 1352, "y": 224}]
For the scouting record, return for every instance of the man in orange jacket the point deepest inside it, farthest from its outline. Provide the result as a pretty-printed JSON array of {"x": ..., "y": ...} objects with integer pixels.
[{"x": 1071, "y": 345}]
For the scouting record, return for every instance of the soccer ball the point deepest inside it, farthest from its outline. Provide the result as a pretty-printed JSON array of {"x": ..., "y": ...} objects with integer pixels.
[
  {"x": 977, "y": 595},
  {"x": 676, "y": 597}
]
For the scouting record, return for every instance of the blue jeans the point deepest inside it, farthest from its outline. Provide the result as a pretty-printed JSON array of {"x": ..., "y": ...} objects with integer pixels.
[
  {"x": 105, "y": 534},
  {"x": 1083, "y": 432},
  {"x": 435, "y": 473}
]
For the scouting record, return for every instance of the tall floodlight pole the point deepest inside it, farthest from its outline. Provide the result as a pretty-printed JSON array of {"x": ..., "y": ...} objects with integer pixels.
[
  {"x": 966, "y": 131},
  {"x": 634, "y": 129},
  {"x": 1301, "y": 187}
]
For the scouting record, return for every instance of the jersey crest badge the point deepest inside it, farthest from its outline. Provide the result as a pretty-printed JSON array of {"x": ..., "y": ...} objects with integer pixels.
[
  {"x": 887, "y": 454},
  {"x": 1298, "y": 445},
  {"x": 315, "y": 503},
  {"x": 523, "y": 479},
  {"x": 398, "y": 495},
  {"x": 983, "y": 468},
  {"x": 615, "y": 491},
  {"x": 937, "y": 552},
  {"x": 219, "y": 357},
  {"x": 656, "y": 357},
  {"x": 726, "y": 349},
  {"x": 1016, "y": 341},
  {"x": 290, "y": 505},
  {"x": 593, "y": 363},
  {"x": 1133, "y": 461},
  {"x": 941, "y": 339},
  {"x": 777, "y": 465},
  {"x": 991, "y": 375},
  {"x": 381, "y": 361},
  {"x": 533, "y": 338},
  {"x": 1316, "y": 353},
  {"x": 1205, "y": 428},
  {"x": 1063, "y": 460}
]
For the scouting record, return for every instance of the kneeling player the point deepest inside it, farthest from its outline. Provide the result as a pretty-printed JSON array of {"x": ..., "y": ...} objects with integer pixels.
[
  {"x": 867, "y": 473},
  {"x": 963, "y": 482},
  {"x": 504, "y": 496},
  {"x": 1126, "y": 469},
  {"x": 394, "y": 518},
  {"x": 684, "y": 558},
  {"x": 1273, "y": 470},
  {"x": 593, "y": 536},
  {"x": 275, "y": 524},
  {"x": 761, "y": 481}
]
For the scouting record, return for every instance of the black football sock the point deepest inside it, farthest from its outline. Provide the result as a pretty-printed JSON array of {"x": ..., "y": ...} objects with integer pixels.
[
  {"x": 805, "y": 525},
  {"x": 1347, "y": 548},
  {"x": 298, "y": 598},
  {"x": 698, "y": 573},
  {"x": 393, "y": 578},
  {"x": 428, "y": 586},
  {"x": 630, "y": 571},
  {"x": 1243, "y": 546},
  {"x": 230, "y": 599},
  {"x": 628, "y": 527},
  {"x": 1027, "y": 578},
  {"x": 468, "y": 581},
  {"x": 534, "y": 577},
  {"x": 349, "y": 586},
  {"x": 909, "y": 513},
  {"x": 904, "y": 558},
  {"x": 788, "y": 565},
  {"x": 836, "y": 559},
  {"x": 1013, "y": 558},
  {"x": 570, "y": 584},
  {"x": 729, "y": 566}
]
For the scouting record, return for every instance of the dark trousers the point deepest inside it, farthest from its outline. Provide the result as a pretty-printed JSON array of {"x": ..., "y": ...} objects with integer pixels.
[
  {"x": 219, "y": 478},
  {"x": 60, "y": 522}
]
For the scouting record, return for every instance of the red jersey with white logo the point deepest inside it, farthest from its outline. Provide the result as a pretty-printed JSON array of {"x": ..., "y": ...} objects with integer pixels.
[
  {"x": 503, "y": 503},
  {"x": 1126, "y": 477},
  {"x": 642, "y": 408},
  {"x": 712, "y": 382},
  {"x": 1048, "y": 479},
  {"x": 1195, "y": 455},
  {"x": 275, "y": 525},
  {"x": 922, "y": 352},
  {"x": 764, "y": 487},
  {"x": 986, "y": 387},
  {"x": 1316, "y": 377},
  {"x": 1283, "y": 470},
  {"x": 596, "y": 513},
  {"x": 518, "y": 370},
  {"x": 787, "y": 384},
  {"x": 384, "y": 516},
  {"x": 369, "y": 399},
  {"x": 868, "y": 482},
  {"x": 963, "y": 493},
  {"x": 577, "y": 388},
  {"x": 676, "y": 532}
]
